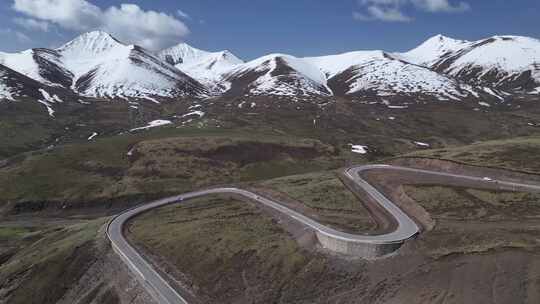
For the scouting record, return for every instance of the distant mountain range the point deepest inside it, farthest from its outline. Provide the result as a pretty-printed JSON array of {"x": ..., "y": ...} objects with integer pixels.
[{"x": 96, "y": 65}]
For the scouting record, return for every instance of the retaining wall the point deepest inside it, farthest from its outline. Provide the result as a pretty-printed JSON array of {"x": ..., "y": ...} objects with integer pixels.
[{"x": 359, "y": 249}]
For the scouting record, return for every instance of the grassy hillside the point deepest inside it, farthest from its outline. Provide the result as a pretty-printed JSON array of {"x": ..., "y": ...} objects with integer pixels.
[
  {"x": 227, "y": 251},
  {"x": 231, "y": 252},
  {"x": 323, "y": 196},
  {"x": 41, "y": 262},
  {"x": 475, "y": 204},
  {"x": 520, "y": 153},
  {"x": 283, "y": 151},
  {"x": 153, "y": 164}
]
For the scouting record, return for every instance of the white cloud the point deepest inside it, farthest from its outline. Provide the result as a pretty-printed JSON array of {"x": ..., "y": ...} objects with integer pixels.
[
  {"x": 441, "y": 6},
  {"x": 183, "y": 14},
  {"x": 390, "y": 14},
  {"x": 393, "y": 10},
  {"x": 383, "y": 10},
  {"x": 148, "y": 28},
  {"x": 127, "y": 22},
  {"x": 70, "y": 14},
  {"x": 32, "y": 24}
]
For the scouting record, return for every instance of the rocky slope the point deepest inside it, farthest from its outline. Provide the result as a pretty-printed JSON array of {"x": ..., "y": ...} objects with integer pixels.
[{"x": 16, "y": 86}]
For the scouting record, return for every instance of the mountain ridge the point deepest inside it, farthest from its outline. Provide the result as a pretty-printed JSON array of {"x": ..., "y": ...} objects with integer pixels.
[{"x": 95, "y": 64}]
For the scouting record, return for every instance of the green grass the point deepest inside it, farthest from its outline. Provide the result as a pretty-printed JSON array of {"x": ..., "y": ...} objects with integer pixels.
[
  {"x": 228, "y": 250},
  {"x": 472, "y": 221},
  {"x": 446, "y": 240},
  {"x": 208, "y": 236},
  {"x": 50, "y": 262},
  {"x": 7, "y": 233},
  {"x": 514, "y": 154},
  {"x": 475, "y": 204},
  {"x": 100, "y": 172},
  {"x": 327, "y": 198},
  {"x": 28, "y": 129}
]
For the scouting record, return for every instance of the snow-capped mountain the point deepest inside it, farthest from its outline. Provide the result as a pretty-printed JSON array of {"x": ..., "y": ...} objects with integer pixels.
[
  {"x": 97, "y": 65},
  {"x": 502, "y": 62},
  {"x": 364, "y": 73},
  {"x": 205, "y": 67},
  {"x": 102, "y": 66},
  {"x": 376, "y": 73},
  {"x": 277, "y": 74}
]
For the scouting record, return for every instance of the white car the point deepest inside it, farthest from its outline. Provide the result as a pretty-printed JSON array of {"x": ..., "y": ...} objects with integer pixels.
[{"x": 488, "y": 179}]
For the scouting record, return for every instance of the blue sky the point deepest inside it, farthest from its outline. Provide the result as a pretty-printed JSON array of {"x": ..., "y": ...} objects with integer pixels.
[{"x": 251, "y": 28}]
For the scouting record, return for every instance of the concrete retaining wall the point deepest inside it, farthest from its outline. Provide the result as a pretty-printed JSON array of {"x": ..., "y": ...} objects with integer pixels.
[{"x": 358, "y": 249}]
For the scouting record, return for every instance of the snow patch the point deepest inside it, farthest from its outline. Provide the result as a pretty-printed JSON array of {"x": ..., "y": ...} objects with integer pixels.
[
  {"x": 484, "y": 104},
  {"x": 360, "y": 149},
  {"x": 47, "y": 96},
  {"x": 422, "y": 144},
  {"x": 491, "y": 92},
  {"x": 94, "y": 134},
  {"x": 48, "y": 106},
  {"x": 5, "y": 91},
  {"x": 200, "y": 113},
  {"x": 151, "y": 99},
  {"x": 153, "y": 124}
]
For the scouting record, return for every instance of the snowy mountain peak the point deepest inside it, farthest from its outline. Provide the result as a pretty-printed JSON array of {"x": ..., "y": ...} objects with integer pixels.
[
  {"x": 442, "y": 38},
  {"x": 299, "y": 65},
  {"x": 181, "y": 53},
  {"x": 206, "y": 67},
  {"x": 444, "y": 42},
  {"x": 90, "y": 44},
  {"x": 185, "y": 54},
  {"x": 227, "y": 55},
  {"x": 433, "y": 48},
  {"x": 277, "y": 74}
]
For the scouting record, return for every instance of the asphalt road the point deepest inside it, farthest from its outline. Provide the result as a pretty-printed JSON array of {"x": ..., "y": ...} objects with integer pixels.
[{"x": 406, "y": 228}]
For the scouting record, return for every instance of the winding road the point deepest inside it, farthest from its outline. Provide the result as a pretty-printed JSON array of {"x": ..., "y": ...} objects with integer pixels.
[{"x": 406, "y": 228}]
